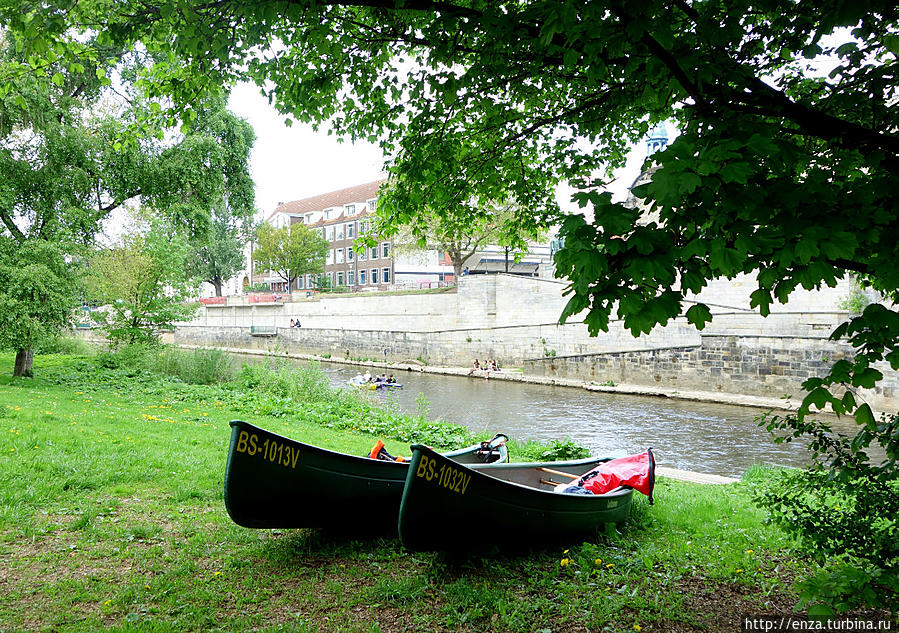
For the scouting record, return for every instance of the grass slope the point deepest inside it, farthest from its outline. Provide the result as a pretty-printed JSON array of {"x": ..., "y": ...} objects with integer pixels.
[{"x": 112, "y": 518}]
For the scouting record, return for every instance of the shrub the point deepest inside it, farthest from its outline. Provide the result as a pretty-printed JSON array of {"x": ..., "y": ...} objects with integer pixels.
[{"x": 844, "y": 509}]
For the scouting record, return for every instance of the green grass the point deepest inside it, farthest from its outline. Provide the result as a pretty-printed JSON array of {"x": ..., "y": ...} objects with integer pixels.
[{"x": 112, "y": 518}]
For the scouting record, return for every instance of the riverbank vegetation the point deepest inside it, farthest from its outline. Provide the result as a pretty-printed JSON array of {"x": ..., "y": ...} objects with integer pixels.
[{"x": 112, "y": 516}]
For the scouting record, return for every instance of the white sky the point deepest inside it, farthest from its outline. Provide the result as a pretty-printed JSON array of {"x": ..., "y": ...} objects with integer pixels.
[{"x": 292, "y": 163}]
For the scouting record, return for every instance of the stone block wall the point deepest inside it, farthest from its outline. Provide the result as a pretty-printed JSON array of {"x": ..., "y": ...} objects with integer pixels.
[{"x": 514, "y": 320}]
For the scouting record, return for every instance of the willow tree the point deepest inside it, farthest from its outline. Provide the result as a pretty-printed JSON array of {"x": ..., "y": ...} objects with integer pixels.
[{"x": 73, "y": 150}]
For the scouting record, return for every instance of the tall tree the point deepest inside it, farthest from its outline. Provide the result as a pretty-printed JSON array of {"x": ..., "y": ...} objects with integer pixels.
[
  {"x": 290, "y": 251},
  {"x": 70, "y": 155},
  {"x": 219, "y": 253}
]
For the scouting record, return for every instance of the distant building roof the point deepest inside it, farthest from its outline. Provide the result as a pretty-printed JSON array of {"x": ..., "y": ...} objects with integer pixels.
[{"x": 357, "y": 193}]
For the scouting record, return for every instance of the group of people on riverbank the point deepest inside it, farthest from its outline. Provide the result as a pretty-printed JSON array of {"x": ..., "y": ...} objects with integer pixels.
[{"x": 488, "y": 366}]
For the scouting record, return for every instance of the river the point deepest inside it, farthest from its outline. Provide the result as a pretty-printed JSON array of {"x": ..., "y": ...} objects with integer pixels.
[
  {"x": 704, "y": 437},
  {"x": 699, "y": 436}
]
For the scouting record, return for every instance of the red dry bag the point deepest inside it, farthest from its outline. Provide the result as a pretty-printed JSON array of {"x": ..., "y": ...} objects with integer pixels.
[{"x": 635, "y": 471}]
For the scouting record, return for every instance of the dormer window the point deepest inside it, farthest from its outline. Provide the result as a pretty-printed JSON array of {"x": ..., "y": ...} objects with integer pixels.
[{"x": 350, "y": 209}]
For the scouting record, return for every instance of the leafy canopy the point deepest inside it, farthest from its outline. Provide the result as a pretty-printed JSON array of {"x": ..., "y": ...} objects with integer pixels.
[
  {"x": 143, "y": 284},
  {"x": 290, "y": 251}
]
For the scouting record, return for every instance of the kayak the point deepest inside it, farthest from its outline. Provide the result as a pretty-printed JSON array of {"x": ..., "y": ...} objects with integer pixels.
[
  {"x": 449, "y": 506},
  {"x": 272, "y": 481}
]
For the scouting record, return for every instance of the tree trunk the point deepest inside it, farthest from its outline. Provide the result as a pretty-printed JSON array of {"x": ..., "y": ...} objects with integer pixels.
[
  {"x": 24, "y": 363},
  {"x": 217, "y": 284}
]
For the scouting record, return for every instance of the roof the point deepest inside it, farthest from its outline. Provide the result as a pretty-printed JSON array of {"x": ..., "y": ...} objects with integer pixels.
[{"x": 356, "y": 193}]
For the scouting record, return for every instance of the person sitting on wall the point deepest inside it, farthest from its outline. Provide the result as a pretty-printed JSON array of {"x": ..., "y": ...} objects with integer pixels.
[
  {"x": 493, "y": 366},
  {"x": 297, "y": 323},
  {"x": 292, "y": 323},
  {"x": 475, "y": 367}
]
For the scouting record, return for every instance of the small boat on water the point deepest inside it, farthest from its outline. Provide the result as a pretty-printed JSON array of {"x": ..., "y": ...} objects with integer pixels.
[
  {"x": 448, "y": 506},
  {"x": 273, "y": 481}
]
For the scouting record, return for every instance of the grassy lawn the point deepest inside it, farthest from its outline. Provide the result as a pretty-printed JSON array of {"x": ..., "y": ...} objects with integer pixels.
[{"x": 112, "y": 518}]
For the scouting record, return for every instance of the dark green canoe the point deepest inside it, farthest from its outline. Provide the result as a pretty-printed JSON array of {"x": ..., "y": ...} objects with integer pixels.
[
  {"x": 273, "y": 481},
  {"x": 448, "y": 506}
]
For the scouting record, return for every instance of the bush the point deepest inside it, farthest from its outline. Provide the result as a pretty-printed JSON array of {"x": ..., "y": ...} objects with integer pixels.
[{"x": 844, "y": 509}]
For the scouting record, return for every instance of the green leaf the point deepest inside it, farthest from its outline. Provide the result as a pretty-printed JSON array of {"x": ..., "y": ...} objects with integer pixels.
[
  {"x": 699, "y": 315},
  {"x": 865, "y": 417}
]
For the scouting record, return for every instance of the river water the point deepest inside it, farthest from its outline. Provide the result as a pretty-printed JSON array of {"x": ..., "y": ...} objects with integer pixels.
[{"x": 704, "y": 437}]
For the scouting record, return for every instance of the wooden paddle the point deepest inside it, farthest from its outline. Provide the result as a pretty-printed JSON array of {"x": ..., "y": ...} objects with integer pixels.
[{"x": 557, "y": 472}]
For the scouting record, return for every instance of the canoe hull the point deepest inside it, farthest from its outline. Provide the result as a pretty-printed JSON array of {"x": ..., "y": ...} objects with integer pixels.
[
  {"x": 447, "y": 506},
  {"x": 273, "y": 481}
]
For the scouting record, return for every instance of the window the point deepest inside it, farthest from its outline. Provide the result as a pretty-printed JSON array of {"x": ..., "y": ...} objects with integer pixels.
[
  {"x": 363, "y": 226},
  {"x": 330, "y": 280},
  {"x": 350, "y": 209},
  {"x": 339, "y": 231},
  {"x": 329, "y": 258},
  {"x": 350, "y": 255},
  {"x": 301, "y": 282},
  {"x": 361, "y": 277},
  {"x": 330, "y": 236},
  {"x": 362, "y": 255},
  {"x": 385, "y": 275},
  {"x": 339, "y": 255},
  {"x": 385, "y": 250},
  {"x": 374, "y": 252},
  {"x": 374, "y": 275},
  {"x": 351, "y": 230},
  {"x": 339, "y": 278},
  {"x": 351, "y": 277},
  {"x": 372, "y": 205}
]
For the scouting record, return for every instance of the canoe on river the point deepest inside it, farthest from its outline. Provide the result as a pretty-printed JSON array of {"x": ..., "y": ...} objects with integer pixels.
[
  {"x": 448, "y": 506},
  {"x": 273, "y": 481}
]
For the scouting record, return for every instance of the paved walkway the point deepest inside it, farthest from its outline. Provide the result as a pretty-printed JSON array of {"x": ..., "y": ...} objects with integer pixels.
[{"x": 697, "y": 478}]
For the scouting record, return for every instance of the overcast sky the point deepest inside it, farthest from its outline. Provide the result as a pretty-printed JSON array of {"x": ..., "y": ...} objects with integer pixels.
[{"x": 292, "y": 163}]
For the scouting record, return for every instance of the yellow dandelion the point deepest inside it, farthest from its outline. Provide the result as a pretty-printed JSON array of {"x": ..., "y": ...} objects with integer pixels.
[
  {"x": 749, "y": 551},
  {"x": 107, "y": 603},
  {"x": 564, "y": 562},
  {"x": 739, "y": 571},
  {"x": 598, "y": 561},
  {"x": 146, "y": 586},
  {"x": 610, "y": 565},
  {"x": 218, "y": 573},
  {"x": 637, "y": 627}
]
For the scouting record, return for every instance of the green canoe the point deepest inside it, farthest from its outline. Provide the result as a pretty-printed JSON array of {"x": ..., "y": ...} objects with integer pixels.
[
  {"x": 448, "y": 506},
  {"x": 275, "y": 482}
]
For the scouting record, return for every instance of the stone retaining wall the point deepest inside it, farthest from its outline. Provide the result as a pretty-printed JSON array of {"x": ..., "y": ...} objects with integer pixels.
[{"x": 513, "y": 320}]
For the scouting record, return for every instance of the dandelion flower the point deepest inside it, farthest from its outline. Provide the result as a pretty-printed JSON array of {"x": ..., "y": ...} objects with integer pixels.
[
  {"x": 107, "y": 603},
  {"x": 610, "y": 565},
  {"x": 218, "y": 573},
  {"x": 598, "y": 561},
  {"x": 564, "y": 562},
  {"x": 637, "y": 627},
  {"x": 749, "y": 551},
  {"x": 739, "y": 571}
]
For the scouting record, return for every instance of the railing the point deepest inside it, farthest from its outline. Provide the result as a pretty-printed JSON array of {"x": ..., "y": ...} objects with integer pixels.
[{"x": 263, "y": 330}]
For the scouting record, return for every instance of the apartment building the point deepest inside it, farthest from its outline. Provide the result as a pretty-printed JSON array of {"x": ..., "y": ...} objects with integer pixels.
[{"x": 342, "y": 217}]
